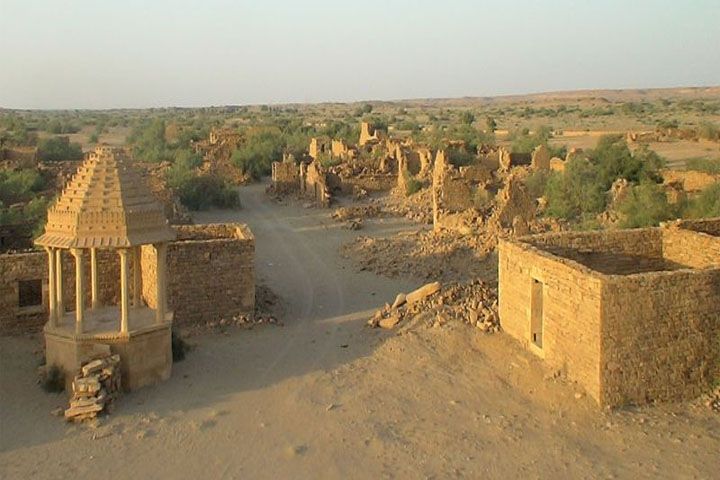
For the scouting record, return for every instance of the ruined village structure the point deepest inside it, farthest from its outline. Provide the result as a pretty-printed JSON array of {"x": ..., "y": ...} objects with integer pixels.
[
  {"x": 117, "y": 276},
  {"x": 631, "y": 315}
]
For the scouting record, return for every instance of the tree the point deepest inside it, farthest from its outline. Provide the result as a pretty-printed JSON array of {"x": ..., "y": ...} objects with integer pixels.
[
  {"x": 57, "y": 149},
  {"x": 490, "y": 124},
  {"x": 645, "y": 205},
  {"x": 577, "y": 194},
  {"x": 467, "y": 117}
]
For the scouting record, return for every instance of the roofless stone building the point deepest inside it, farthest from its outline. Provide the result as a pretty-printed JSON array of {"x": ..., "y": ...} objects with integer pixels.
[{"x": 107, "y": 206}]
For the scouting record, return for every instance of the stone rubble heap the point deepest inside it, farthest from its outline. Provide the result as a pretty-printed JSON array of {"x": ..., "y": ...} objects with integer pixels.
[
  {"x": 713, "y": 400},
  {"x": 472, "y": 302},
  {"x": 94, "y": 388}
]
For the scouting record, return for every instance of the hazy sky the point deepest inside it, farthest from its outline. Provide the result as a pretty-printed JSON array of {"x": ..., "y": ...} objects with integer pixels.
[{"x": 144, "y": 53}]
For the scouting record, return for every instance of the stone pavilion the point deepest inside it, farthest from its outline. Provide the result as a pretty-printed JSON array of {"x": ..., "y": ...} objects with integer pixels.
[{"x": 107, "y": 207}]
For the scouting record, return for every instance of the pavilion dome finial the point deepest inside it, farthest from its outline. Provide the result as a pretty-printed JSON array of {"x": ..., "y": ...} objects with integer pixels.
[{"x": 105, "y": 204}]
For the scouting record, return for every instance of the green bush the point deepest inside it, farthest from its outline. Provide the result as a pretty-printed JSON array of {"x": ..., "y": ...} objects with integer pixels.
[
  {"x": 19, "y": 185},
  {"x": 522, "y": 141},
  {"x": 57, "y": 149},
  {"x": 205, "y": 191},
  {"x": 412, "y": 184},
  {"x": 708, "y": 131},
  {"x": 706, "y": 204},
  {"x": 466, "y": 117},
  {"x": 646, "y": 205},
  {"x": 614, "y": 160},
  {"x": 536, "y": 183},
  {"x": 577, "y": 194},
  {"x": 707, "y": 165}
]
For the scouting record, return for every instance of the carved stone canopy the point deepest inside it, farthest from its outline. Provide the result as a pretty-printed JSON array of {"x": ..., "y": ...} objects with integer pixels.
[{"x": 106, "y": 204}]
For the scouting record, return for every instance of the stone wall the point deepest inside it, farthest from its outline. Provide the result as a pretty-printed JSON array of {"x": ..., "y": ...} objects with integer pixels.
[
  {"x": 692, "y": 181},
  {"x": 33, "y": 266},
  {"x": 370, "y": 182},
  {"x": 660, "y": 336},
  {"x": 210, "y": 272},
  {"x": 691, "y": 249},
  {"x": 624, "y": 312},
  {"x": 285, "y": 176},
  {"x": 314, "y": 184},
  {"x": 711, "y": 226},
  {"x": 571, "y": 310}
]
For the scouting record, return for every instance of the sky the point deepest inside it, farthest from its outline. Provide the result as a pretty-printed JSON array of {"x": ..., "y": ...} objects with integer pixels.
[{"x": 155, "y": 53}]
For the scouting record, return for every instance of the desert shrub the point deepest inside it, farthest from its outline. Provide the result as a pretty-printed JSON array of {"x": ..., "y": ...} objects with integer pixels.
[
  {"x": 327, "y": 160},
  {"x": 53, "y": 380},
  {"x": 179, "y": 346},
  {"x": 536, "y": 183},
  {"x": 460, "y": 157},
  {"x": 62, "y": 127},
  {"x": 466, "y": 117},
  {"x": 412, "y": 184},
  {"x": 19, "y": 185},
  {"x": 490, "y": 124},
  {"x": 522, "y": 141},
  {"x": 614, "y": 160},
  {"x": 706, "y": 204},
  {"x": 577, "y": 193},
  {"x": 645, "y": 205},
  {"x": 708, "y": 165},
  {"x": 57, "y": 149},
  {"x": 482, "y": 198},
  {"x": 708, "y": 131},
  {"x": 200, "y": 192}
]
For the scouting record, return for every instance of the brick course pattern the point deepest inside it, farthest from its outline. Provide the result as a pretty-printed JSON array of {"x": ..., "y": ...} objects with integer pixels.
[
  {"x": 631, "y": 315},
  {"x": 210, "y": 271}
]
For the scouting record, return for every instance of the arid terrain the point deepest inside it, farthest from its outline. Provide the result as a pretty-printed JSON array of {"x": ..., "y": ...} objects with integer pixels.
[{"x": 324, "y": 396}]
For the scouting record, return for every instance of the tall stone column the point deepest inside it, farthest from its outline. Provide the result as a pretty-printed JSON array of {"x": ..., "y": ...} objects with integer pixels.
[
  {"x": 52, "y": 296},
  {"x": 59, "y": 287},
  {"x": 79, "y": 290},
  {"x": 161, "y": 283},
  {"x": 95, "y": 302},
  {"x": 124, "y": 294},
  {"x": 137, "y": 281}
]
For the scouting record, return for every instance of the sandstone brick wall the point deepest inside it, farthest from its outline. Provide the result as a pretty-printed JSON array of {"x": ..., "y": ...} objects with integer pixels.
[
  {"x": 210, "y": 272},
  {"x": 285, "y": 176},
  {"x": 571, "y": 310},
  {"x": 15, "y": 320},
  {"x": 371, "y": 182},
  {"x": 692, "y": 181},
  {"x": 691, "y": 249},
  {"x": 627, "y": 337},
  {"x": 711, "y": 226},
  {"x": 660, "y": 336},
  {"x": 610, "y": 250}
]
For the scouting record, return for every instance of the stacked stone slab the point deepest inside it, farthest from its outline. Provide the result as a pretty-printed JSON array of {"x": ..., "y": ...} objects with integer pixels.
[{"x": 95, "y": 386}]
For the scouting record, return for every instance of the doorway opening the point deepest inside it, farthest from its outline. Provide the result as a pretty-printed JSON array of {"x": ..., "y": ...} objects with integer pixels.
[{"x": 536, "y": 313}]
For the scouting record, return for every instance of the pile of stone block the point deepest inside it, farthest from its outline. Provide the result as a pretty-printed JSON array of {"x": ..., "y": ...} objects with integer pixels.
[
  {"x": 94, "y": 388},
  {"x": 471, "y": 302}
]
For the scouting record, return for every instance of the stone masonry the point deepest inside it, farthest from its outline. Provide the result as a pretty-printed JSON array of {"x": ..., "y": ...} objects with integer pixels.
[{"x": 631, "y": 315}]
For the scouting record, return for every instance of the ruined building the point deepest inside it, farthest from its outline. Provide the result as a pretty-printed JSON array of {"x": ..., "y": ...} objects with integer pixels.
[
  {"x": 115, "y": 275},
  {"x": 633, "y": 316}
]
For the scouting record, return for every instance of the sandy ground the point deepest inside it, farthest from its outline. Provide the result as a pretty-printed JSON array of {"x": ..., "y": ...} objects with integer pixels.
[{"x": 325, "y": 397}]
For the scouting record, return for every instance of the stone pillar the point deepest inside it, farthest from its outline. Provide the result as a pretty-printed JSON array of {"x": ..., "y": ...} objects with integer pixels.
[
  {"x": 94, "y": 279},
  {"x": 59, "y": 287},
  {"x": 161, "y": 283},
  {"x": 124, "y": 295},
  {"x": 52, "y": 296},
  {"x": 137, "y": 288},
  {"x": 79, "y": 290}
]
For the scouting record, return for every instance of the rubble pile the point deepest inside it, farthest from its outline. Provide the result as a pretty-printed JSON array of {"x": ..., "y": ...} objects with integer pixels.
[
  {"x": 712, "y": 400},
  {"x": 473, "y": 302},
  {"x": 446, "y": 256},
  {"x": 94, "y": 388},
  {"x": 416, "y": 207},
  {"x": 356, "y": 212}
]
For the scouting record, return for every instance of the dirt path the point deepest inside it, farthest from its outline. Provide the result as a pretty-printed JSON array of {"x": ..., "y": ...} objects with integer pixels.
[{"x": 324, "y": 397}]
